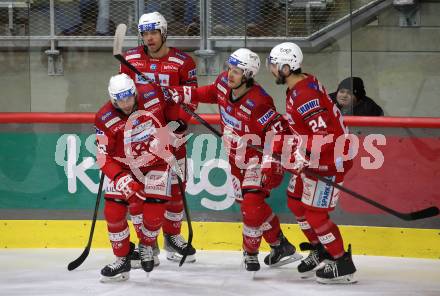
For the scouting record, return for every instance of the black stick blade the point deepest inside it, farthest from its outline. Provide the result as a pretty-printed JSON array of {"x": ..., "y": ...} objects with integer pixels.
[
  {"x": 425, "y": 213},
  {"x": 77, "y": 262}
]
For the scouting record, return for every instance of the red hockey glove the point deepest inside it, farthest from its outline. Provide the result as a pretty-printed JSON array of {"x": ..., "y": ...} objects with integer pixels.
[
  {"x": 130, "y": 189},
  {"x": 180, "y": 94},
  {"x": 299, "y": 163},
  {"x": 272, "y": 172}
]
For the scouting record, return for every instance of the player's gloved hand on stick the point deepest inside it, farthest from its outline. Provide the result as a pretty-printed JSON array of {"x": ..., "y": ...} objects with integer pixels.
[
  {"x": 180, "y": 94},
  {"x": 272, "y": 172},
  {"x": 130, "y": 188}
]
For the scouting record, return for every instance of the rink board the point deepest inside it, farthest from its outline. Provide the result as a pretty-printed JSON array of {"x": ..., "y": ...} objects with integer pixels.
[{"x": 379, "y": 241}]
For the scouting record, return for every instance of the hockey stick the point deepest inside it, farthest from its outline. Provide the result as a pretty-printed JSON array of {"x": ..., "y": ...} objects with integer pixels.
[
  {"x": 188, "y": 220},
  {"x": 421, "y": 214},
  {"x": 77, "y": 262},
  {"x": 117, "y": 53}
]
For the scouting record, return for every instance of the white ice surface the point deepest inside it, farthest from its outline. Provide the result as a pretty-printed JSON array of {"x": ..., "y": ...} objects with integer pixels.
[{"x": 44, "y": 272}]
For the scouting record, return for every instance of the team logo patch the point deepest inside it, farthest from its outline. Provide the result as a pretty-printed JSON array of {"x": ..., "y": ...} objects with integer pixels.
[
  {"x": 265, "y": 118},
  {"x": 153, "y": 67},
  {"x": 309, "y": 106}
]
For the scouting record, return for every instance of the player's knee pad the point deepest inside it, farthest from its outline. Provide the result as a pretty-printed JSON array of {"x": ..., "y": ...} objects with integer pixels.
[
  {"x": 153, "y": 215},
  {"x": 115, "y": 213},
  {"x": 254, "y": 209},
  {"x": 296, "y": 206},
  {"x": 318, "y": 219}
]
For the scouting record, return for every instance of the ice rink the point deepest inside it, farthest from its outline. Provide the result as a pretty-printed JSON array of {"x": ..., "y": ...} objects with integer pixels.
[{"x": 44, "y": 272}]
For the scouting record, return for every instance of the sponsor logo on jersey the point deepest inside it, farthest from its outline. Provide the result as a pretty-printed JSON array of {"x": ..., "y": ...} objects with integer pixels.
[
  {"x": 139, "y": 64},
  {"x": 169, "y": 67},
  {"x": 153, "y": 67},
  {"x": 140, "y": 133},
  {"x": 176, "y": 60},
  {"x": 192, "y": 73},
  {"x": 250, "y": 103},
  {"x": 106, "y": 116},
  {"x": 265, "y": 118},
  {"x": 141, "y": 80},
  {"x": 133, "y": 56},
  {"x": 309, "y": 106},
  {"x": 139, "y": 128},
  {"x": 151, "y": 103},
  {"x": 109, "y": 123},
  {"x": 149, "y": 94},
  {"x": 164, "y": 79},
  {"x": 230, "y": 120},
  {"x": 221, "y": 88},
  {"x": 323, "y": 194},
  {"x": 246, "y": 110},
  {"x": 228, "y": 109}
]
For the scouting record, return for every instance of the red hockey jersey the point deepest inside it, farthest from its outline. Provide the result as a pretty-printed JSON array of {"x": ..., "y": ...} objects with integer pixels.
[
  {"x": 312, "y": 114},
  {"x": 253, "y": 114},
  {"x": 124, "y": 141},
  {"x": 175, "y": 69}
]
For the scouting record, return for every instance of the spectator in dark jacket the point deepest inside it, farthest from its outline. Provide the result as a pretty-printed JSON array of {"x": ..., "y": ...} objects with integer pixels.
[{"x": 355, "y": 102}]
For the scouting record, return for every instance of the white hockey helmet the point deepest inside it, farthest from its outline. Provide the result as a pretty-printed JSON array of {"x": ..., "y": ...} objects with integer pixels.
[
  {"x": 153, "y": 21},
  {"x": 120, "y": 87},
  {"x": 246, "y": 60},
  {"x": 287, "y": 53}
]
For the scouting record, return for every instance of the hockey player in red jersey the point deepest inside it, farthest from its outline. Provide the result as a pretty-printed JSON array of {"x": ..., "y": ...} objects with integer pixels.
[
  {"x": 247, "y": 114},
  {"x": 312, "y": 114},
  {"x": 134, "y": 153},
  {"x": 167, "y": 66}
]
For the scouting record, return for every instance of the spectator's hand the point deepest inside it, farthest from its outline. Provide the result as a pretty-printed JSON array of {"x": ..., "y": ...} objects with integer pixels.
[
  {"x": 130, "y": 189},
  {"x": 272, "y": 172}
]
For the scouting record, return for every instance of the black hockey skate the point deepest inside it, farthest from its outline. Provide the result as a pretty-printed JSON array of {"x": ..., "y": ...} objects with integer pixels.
[
  {"x": 118, "y": 270},
  {"x": 146, "y": 255},
  {"x": 251, "y": 261},
  {"x": 175, "y": 245},
  {"x": 313, "y": 261},
  {"x": 339, "y": 271},
  {"x": 135, "y": 258},
  {"x": 282, "y": 254}
]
